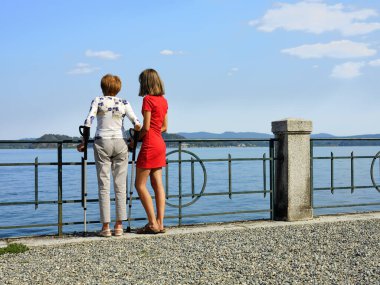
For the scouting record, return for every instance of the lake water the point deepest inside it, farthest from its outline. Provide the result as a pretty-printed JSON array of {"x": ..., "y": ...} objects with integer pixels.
[{"x": 17, "y": 184}]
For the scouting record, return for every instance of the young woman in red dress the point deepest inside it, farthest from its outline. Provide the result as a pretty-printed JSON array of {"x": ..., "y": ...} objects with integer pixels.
[{"x": 152, "y": 155}]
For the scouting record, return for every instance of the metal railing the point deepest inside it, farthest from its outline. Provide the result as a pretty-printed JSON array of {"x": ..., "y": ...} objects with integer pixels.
[
  {"x": 352, "y": 185},
  {"x": 176, "y": 196}
]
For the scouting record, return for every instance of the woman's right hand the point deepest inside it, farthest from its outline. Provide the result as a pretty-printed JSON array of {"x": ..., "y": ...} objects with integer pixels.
[
  {"x": 80, "y": 147},
  {"x": 137, "y": 127}
]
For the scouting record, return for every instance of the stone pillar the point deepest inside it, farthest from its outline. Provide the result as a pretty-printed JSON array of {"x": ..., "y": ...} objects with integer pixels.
[{"x": 292, "y": 200}]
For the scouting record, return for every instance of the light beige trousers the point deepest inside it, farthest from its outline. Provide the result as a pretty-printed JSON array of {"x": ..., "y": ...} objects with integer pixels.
[{"x": 111, "y": 154}]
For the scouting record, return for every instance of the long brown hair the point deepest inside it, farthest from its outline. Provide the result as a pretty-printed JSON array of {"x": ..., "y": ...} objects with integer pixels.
[{"x": 151, "y": 83}]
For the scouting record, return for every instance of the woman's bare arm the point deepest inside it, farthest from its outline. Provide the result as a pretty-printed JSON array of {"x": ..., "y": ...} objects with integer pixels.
[
  {"x": 164, "y": 127},
  {"x": 146, "y": 124}
]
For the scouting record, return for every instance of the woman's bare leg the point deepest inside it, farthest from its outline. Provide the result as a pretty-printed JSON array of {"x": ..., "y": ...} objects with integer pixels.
[
  {"x": 106, "y": 226},
  {"x": 118, "y": 225},
  {"x": 158, "y": 187},
  {"x": 146, "y": 200}
]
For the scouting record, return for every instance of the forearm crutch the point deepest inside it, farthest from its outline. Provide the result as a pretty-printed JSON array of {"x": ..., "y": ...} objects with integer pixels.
[
  {"x": 85, "y": 133},
  {"x": 135, "y": 135}
]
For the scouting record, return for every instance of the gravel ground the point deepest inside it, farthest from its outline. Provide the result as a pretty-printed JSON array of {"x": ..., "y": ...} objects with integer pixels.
[{"x": 326, "y": 253}]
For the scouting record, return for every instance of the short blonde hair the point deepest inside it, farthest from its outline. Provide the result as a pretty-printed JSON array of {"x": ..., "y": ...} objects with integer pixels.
[
  {"x": 110, "y": 84},
  {"x": 151, "y": 83}
]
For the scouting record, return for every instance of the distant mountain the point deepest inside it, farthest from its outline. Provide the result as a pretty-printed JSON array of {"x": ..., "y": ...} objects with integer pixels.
[
  {"x": 167, "y": 136},
  {"x": 225, "y": 135},
  {"x": 28, "y": 139},
  {"x": 207, "y": 135},
  {"x": 254, "y": 135},
  {"x": 365, "y": 136},
  {"x": 322, "y": 135},
  {"x": 53, "y": 137},
  {"x": 244, "y": 135}
]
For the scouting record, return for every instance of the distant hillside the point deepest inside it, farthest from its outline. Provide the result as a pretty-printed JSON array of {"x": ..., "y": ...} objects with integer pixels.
[
  {"x": 345, "y": 142},
  {"x": 205, "y": 135},
  {"x": 244, "y": 135},
  {"x": 58, "y": 137},
  {"x": 254, "y": 135},
  {"x": 167, "y": 136},
  {"x": 53, "y": 137},
  {"x": 322, "y": 135},
  {"x": 225, "y": 135}
]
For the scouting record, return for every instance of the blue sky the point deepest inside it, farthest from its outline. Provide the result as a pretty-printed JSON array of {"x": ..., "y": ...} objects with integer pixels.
[{"x": 231, "y": 65}]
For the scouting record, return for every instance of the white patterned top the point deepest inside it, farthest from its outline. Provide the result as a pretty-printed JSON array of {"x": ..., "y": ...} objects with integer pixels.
[{"x": 110, "y": 112}]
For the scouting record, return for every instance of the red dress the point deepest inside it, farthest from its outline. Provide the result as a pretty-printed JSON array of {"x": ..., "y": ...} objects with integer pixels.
[{"x": 153, "y": 150}]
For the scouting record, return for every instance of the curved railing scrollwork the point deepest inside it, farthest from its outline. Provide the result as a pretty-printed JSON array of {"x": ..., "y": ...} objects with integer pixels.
[
  {"x": 372, "y": 175},
  {"x": 197, "y": 159}
]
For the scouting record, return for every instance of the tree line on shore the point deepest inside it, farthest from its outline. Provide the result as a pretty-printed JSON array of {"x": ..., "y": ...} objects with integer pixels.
[{"x": 47, "y": 141}]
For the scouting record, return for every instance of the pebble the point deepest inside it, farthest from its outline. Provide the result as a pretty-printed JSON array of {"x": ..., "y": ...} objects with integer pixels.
[{"x": 332, "y": 253}]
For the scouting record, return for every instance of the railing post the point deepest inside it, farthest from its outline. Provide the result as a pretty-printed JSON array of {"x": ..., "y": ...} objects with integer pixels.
[
  {"x": 60, "y": 189},
  {"x": 271, "y": 173},
  {"x": 36, "y": 183},
  {"x": 292, "y": 180},
  {"x": 180, "y": 184},
  {"x": 229, "y": 176}
]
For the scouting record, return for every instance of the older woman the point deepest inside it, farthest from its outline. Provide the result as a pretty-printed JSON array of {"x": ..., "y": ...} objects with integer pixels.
[{"x": 111, "y": 149}]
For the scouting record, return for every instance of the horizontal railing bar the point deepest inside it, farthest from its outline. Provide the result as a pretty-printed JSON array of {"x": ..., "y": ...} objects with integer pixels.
[
  {"x": 97, "y": 222},
  {"x": 223, "y": 159},
  {"x": 49, "y": 202},
  {"x": 226, "y": 213},
  {"x": 346, "y": 205},
  {"x": 167, "y": 140},
  {"x": 220, "y": 193},
  {"x": 47, "y": 163},
  {"x": 341, "y": 157},
  {"x": 345, "y": 139},
  {"x": 342, "y": 188},
  {"x": 221, "y": 140},
  {"x": 28, "y": 226},
  {"x": 169, "y": 161},
  {"x": 39, "y": 164},
  {"x": 27, "y": 203},
  {"x": 15, "y": 203},
  {"x": 215, "y": 194}
]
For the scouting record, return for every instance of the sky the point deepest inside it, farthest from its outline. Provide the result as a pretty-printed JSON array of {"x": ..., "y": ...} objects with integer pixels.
[{"x": 227, "y": 65}]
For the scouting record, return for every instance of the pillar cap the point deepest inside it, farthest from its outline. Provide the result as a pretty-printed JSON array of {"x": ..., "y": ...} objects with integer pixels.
[{"x": 292, "y": 125}]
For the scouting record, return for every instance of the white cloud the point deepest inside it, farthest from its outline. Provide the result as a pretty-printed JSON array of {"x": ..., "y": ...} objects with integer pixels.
[
  {"x": 167, "y": 52},
  {"x": 347, "y": 70},
  {"x": 374, "y": 63},
  {"x": 171, "y": 52},
  {"x": 335, "y": 49},
  {"x": 83, "y": 68},
  {"x": 317, "y": 17},
  {"x": 232, "y": 71},
  {"x": 103, "y": 54}
]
